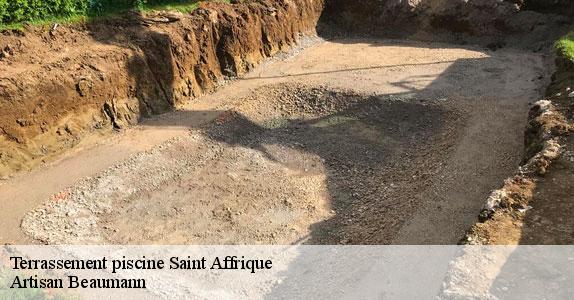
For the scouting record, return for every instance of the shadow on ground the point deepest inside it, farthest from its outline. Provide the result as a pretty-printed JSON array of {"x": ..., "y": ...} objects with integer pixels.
[{"x": 368, "y": 151}]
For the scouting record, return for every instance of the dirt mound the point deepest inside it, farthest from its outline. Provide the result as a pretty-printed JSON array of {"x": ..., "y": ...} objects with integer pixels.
[{"x": 59, "y": 84}]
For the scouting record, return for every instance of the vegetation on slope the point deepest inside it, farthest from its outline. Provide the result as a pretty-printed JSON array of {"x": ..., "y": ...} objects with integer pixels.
[{"x": 13, "y": 13}]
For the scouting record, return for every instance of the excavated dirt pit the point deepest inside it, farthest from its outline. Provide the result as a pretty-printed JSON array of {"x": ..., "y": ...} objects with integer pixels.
[{"x": 348, "y": 142}]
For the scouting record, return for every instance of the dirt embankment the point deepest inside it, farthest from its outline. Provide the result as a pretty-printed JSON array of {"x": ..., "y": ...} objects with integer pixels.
[
  {"x": 494, "y": 23},
  {"x": 60, "y": 85},
  {"x": 534, "y": 207}
]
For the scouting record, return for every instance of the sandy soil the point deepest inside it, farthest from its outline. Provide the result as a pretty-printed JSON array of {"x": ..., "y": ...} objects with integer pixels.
[{"x": 351, "y": 141}]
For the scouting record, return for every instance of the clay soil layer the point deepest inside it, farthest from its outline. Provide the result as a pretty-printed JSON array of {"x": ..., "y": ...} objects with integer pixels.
[{"x": 350, "y": 141}]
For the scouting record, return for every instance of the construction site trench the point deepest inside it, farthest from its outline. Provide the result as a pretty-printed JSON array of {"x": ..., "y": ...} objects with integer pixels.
[{"x": 323, "y": 136}]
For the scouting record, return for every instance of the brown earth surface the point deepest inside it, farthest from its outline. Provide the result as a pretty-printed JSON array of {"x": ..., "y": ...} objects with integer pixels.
[{"x": 273, "y": 157}]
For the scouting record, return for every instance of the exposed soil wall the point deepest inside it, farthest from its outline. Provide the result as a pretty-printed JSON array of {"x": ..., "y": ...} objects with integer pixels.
[
  {"x": 489, "y": 22},
  {"x": 375, "y": 17},
  {"x": 60, "y": 84}
]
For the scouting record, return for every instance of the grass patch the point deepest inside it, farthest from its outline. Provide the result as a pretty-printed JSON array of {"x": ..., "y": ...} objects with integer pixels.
[
  {"x": 181, "y": 6},
  {"x": 47, "y": 21},
  {"x": 565, "y": 46},
  {"x": 109, "y": 8}
]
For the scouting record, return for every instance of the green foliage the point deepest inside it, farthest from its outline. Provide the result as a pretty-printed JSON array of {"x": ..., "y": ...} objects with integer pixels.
[
  {"x": 19, "y": 11},
  {"x": 3, "y": 10},
  {"x": 565, "y": 45},
  {"x": 14, "y": 11}
]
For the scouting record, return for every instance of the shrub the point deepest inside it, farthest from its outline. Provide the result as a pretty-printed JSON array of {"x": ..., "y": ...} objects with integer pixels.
[
  {"x": 14, "y": 11},
  {"x": 3, "y": 10}
]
